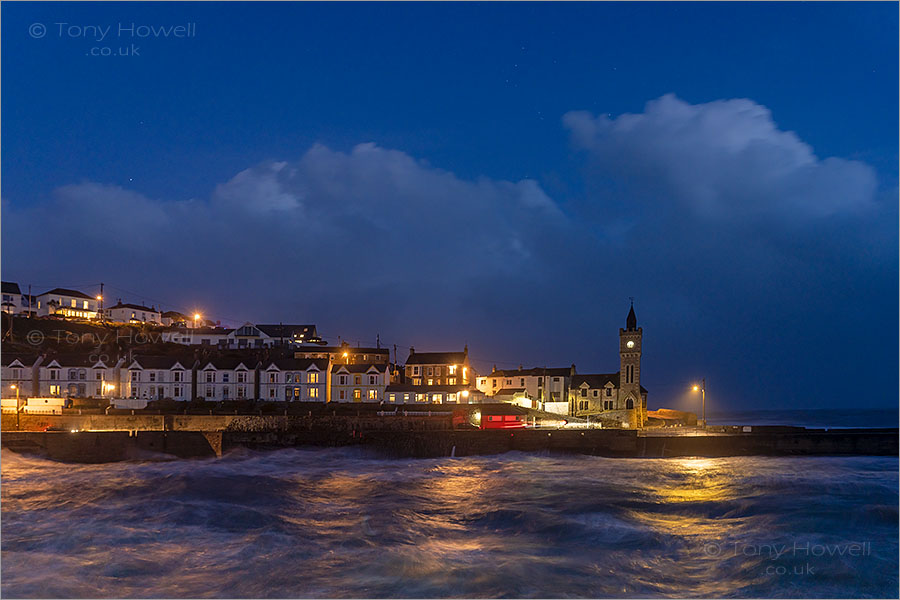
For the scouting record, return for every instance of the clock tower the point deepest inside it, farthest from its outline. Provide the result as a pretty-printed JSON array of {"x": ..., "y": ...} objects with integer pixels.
[{"x": 630, "y": 396}]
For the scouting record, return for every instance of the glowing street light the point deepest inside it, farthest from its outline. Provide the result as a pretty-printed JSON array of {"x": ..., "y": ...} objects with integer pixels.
[
  {"x": 15, "y": 387},
  {"x": 702, "y": 389}
]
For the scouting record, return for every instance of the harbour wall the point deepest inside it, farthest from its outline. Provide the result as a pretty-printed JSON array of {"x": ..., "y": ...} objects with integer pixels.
[{"x": 423, "y": 438}]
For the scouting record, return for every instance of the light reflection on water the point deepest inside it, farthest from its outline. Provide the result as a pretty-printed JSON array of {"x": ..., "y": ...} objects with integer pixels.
[{"x": 340, "y": 523}]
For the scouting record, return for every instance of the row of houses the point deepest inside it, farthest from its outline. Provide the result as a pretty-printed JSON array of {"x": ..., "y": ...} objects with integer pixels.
[
  {"x": 342, "y": 373},
  {"x": 147, "y": 378}
]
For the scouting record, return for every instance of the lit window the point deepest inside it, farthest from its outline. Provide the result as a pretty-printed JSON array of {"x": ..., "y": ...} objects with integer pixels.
[
  {"x": 313, "y": 392},
  {"x": 357, "y": 394},
  {"x": 431, "y": 382},
  {"x": 436, "y": 398},
  {"x": 451, "y": 381},
  {"x": 451, "y": 370},
  {"x": 313, "y": 378},
  {"x": 405, "y": 397},
  {"x": 74, "y": 304},
  {"x": 373, "y": 394}
]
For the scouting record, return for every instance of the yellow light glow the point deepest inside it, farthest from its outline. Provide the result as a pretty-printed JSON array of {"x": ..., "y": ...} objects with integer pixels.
[
  {"x": 345, "y": 355},
  {"x": 99, "y": 297},
  {"x": 696, "y": 388},
  {"x": 13, "y": 386},
  {"x": 196, "y": 316},
  {"x": 465, "y": 394}
]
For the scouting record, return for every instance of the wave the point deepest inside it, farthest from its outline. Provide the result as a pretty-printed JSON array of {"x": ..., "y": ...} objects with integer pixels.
[{"x": 347, "y": 523}]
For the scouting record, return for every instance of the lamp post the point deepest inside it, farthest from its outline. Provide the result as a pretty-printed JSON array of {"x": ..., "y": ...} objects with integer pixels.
[
  {"x": 196, "y": 319},
  {"x": 702, "y": 389},
  {"x": 15, "y": 387}
]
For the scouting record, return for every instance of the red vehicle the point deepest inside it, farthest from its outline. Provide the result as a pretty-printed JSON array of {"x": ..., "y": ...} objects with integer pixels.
[{"x": 503, "y": 421}]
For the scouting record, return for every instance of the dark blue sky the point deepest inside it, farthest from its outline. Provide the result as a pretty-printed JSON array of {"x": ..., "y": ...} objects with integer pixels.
[{"x": 449, "y": 173}]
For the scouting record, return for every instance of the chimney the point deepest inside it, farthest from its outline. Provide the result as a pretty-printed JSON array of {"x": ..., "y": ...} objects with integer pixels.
[
  {"x": 412, "y": 350},
  {"x": 520, "y": 367},
  {"x": 572, "y": 370},
  {"x": 494, "y": 369}
]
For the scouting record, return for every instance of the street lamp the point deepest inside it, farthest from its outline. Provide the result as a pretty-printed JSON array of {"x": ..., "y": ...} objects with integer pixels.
[
  {"x": 15, "y": 387},
  {"x": 196, "y": 319},
  {"x": 702, "y": 389}
]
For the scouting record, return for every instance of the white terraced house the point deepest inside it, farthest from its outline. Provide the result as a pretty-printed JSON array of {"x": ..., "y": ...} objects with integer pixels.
[
  {"x": 359, "y": 383},
  {"x": 296, "y": 380},
  {"x": 19, "y": 374},
  {"x": 159, "y": 377},
  {"x": 78, "y": 376},
  {"x": 221, "y": 379}
]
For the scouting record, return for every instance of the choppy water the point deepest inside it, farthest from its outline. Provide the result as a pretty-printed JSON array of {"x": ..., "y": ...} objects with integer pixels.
[{"x": 342, "y": 523}]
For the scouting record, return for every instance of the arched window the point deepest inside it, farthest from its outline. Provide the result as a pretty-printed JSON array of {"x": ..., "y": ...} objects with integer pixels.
[{"x": 629, "y": 403}]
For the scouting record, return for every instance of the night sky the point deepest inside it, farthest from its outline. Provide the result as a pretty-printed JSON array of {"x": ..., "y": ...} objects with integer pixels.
[{"x": 502, "y": 175}]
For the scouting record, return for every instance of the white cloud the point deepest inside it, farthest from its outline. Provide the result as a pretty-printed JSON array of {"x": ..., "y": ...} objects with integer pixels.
[{"x": 725, "y": 159}]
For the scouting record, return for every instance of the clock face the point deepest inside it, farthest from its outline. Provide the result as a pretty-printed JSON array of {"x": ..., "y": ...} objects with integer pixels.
[{"x": 630, "y": 343}]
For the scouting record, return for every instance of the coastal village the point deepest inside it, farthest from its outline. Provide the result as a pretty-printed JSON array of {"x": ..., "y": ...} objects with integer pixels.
[{"x": 134, "y": 357}]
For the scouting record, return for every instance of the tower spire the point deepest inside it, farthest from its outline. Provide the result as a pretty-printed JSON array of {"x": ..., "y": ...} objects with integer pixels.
[{"x": 631, "y": 320}]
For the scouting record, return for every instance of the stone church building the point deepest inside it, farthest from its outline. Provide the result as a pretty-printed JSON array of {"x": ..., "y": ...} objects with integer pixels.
[{"x": 614, "y": 399}]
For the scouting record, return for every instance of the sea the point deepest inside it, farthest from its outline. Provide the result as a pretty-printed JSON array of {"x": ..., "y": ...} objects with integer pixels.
[{"x": 347, "y": 523}]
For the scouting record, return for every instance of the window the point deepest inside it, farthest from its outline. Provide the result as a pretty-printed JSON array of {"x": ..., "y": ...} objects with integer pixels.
[
  {"x": 54, "y": 390},
  {"x": 98, "y": 375},
  {"x": 509, "y": 382},
  {"x": 242, "y": 377},
  {"x": 357, "y": 394},
  {"x": 493, "y": 383},
  {"x": 272, "y": 393},
  {"x": 451, "y": 370},
  {"x": 17, "y": 373},
  {"x": 608, "y": 392},
  {"x": 451, "y": 398},
  {"x": 272, "y": 378},
  {"x": 451, "y": 381},
  {"x": 85, "y": 305},
  {"x": 343, "y": 395},
  {"x": 314, "y": 392},
  {"x": 289, "y": 378},
  {"x": 420, "y": 397},
  {"x": 431, "y": 382},
  {"x": 482, "y": 381},
  {"x": 73, "y": 374},
  {"x": 178, "y": 376},
  {"x": 629, "y": 403},
  {"x": 135, "y": 376},
  {"x": 521, "y": 382},
  {"x": 313, "y": 378},
  {"x": 437, "y": 371},
  {"x": 342, "y": 380},
  {"x": 357, "y": 379},
  {"x": 417, "y": 381},
  {"x": 74, "y": 303},
  {"x": 596, "y": 393},
  {"x": 178, "y": 391},
  {"x": 373, "y": 394},
  {"x": 224, "y": 377},
  {"x": 373, "y": 380},
  {"x": 240, "y": 391},
  {"x": 584, "y": 392},
  {"x": 210, "y": 377},
  {"x": 209, "y": 391},
  {"x": 436, "y": 398},
  {"x": 430, "y": 371},
  {"x": 415, "y": 370},
  {"x": 152, "y": 376},
  {"x": 406, "y": 397},
  {"x": 393, "y": 397}
]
